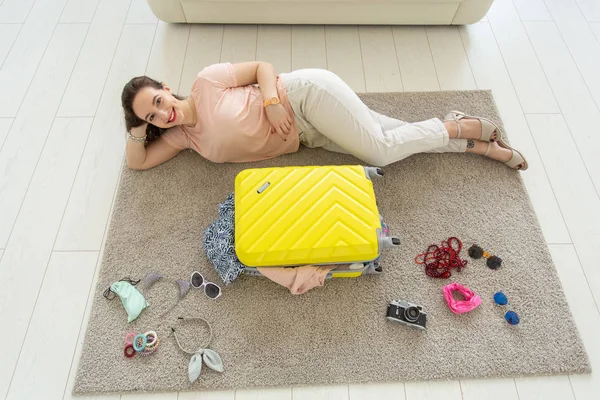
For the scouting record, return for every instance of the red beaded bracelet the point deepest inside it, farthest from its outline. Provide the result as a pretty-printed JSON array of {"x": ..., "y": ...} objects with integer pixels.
[{"x": 440, "y": 260}]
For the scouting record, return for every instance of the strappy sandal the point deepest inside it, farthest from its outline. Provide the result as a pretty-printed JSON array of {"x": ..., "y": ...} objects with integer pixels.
[
  {"x": 516, "y": 159},
  {"x": 487, "y": 127}
]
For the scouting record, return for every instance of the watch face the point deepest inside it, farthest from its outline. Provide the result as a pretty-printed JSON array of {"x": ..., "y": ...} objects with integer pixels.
[{"x": 272, "y": 100}]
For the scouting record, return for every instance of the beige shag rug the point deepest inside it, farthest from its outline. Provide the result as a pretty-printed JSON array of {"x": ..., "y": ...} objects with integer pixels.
[{"x": 337, "y": 333}]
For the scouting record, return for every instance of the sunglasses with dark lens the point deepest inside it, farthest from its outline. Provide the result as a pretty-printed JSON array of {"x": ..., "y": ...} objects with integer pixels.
[
  {"x": 511, "y": 317},
  {"x": 211, "y": 290}
]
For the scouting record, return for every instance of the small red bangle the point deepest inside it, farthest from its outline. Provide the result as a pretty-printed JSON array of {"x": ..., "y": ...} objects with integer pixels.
[
  {"x": 129, "y": 338},
  {"x": 129, "y": 351}
]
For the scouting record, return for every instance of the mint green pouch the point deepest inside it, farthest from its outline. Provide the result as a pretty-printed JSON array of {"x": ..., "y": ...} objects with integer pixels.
[{"x": 133, "y": 301}]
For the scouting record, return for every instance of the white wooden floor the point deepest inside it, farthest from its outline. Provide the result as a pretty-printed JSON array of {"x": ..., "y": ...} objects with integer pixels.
[{"x": 63, "y": 64}]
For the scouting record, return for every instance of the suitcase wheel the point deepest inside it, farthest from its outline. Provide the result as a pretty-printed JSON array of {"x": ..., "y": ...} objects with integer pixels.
[
  {"x": 391, "y": 241},
  {"x": 373, "y": 172}
]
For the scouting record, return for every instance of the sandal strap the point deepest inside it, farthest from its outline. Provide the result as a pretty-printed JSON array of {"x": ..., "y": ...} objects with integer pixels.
[
  {"x": 456, "y": 117},
  {"x": 515, "y": 160},
  {"x": 487, "y": 129},
  {"x": 489, "y": 147}
]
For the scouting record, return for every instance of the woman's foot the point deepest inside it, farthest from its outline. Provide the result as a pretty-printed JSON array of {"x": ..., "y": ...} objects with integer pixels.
[
  {"x": 512, "y": 158},
  {"x": 460, "y": 125}
]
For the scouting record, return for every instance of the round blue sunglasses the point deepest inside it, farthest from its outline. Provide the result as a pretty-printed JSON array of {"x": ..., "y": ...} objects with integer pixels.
[{"x": 511, "y": 317}]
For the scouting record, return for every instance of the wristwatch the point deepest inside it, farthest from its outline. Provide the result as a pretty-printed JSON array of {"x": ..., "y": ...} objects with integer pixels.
[{"x": 272, "y": 100}]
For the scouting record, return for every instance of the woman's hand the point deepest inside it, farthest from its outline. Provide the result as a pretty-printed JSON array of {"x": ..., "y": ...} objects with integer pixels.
[
  {"x": 280, "y": 119},
  {"x": 139, "y": 131}
]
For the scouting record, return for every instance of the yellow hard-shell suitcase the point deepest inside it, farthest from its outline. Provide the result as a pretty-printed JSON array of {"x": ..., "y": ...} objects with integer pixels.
[{"x": 319, "y": 215}]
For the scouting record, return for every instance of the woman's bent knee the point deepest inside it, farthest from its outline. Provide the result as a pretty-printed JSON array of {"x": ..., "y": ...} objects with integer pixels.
[
  {"x": 384, "y": 158},
  {"x": 375, "y": 161}
]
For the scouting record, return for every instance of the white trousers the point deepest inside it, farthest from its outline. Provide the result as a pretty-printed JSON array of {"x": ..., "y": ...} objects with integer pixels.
[{"x": 330, "y": 115}]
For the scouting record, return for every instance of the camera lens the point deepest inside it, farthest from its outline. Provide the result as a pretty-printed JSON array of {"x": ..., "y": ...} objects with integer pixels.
[{"x": 411, "y": 313}]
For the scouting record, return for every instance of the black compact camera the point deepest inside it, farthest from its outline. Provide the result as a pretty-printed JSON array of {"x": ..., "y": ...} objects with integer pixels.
[{"x": 406, "y": 313}]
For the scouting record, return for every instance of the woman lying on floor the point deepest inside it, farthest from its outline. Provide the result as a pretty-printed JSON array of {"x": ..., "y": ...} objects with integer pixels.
[{"x": 229, "y": 119}]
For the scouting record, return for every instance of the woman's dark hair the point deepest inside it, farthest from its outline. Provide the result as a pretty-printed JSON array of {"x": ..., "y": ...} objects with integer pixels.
[{"x": 131, "y": 89}]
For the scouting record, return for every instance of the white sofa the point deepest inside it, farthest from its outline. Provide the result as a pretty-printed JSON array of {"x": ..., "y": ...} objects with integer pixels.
[{"x": 326, "y": 12}]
